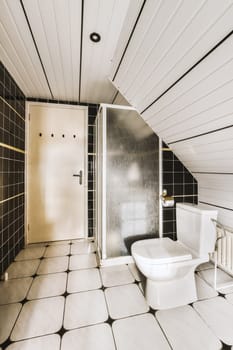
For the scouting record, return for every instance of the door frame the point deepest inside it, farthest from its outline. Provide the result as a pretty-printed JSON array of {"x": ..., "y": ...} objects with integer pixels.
[{"x": 27, "y": 132}]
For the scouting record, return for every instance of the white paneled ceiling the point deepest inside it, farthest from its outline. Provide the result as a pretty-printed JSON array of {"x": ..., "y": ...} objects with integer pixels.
[
  {"x": 46, "y": 46},
  {"x": 17, "y": 50},
  {"x": 169, "y": 38},
  {"x": 177, "y": 70}
]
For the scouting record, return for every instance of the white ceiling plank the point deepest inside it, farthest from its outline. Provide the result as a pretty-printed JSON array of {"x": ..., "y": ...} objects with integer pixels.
[
  {"x": 133, "y": 12},
  {"x": 208, "y": 166},
  {"x": 43, "y": 23},
  {"x": 209, "y": 140},
  {"x": 46, "y": 49},
  {"x": 106, "y": 18},
  {"x": 197, "y": 38},
  {"x": 148, "y": 23},
  {"x": 18, "y": 45},
  {"x": 224, "y": 216},
  {"x": 217, "y": 196},
  {"x": 189, "y": 39},
  {"x": 208, "y": 150},
  {"x": 161, "y": 52},
  {"x": 202, "y": 123},
  {"x": 75, "y": 41},
  {"x": 120, "y": 100},
  {"x": 6, "y": 60}
]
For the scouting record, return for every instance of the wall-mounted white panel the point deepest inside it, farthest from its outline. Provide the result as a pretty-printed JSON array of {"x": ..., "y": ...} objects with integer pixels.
[
  {"x": 105, "y": 17},
  {"x": 224, "y": 216},
  {"x": 217, "y": 189},
  {"x": 18, "y": 52}
]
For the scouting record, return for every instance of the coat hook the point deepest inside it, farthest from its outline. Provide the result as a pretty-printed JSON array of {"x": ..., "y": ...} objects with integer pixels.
[
  {"x": 63, "y": 135},
  {"x": 40, "y": 134},
  {"x": 52, "y": 135}
]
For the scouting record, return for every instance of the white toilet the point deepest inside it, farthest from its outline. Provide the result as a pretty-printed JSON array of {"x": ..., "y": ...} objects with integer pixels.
[{"x": 169, "y": 265}]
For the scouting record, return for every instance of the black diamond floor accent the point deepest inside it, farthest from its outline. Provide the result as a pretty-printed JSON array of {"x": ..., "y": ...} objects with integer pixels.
[
  {"x": 110, "y": 320},
  {"x": 24, "y": 301},
  {"x": 62, "y": 331},
  {"x": 65, "y": 294},
  {"x": 151, "y": 310},
  {"x": 6, "y": 344},
  {"x": 226, "y": 347}
]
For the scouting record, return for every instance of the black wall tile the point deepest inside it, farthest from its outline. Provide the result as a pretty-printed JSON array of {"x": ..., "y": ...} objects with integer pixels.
[
  {"x": 12, "y": 133},
  {"x": 178, "y": 182}
]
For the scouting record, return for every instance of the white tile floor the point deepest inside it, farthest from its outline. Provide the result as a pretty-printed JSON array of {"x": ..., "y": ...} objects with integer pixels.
[{"x": 58, "y": 299}]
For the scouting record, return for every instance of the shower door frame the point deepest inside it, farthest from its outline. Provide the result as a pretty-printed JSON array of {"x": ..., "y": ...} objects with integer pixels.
[{"x": 100, "y": 202}]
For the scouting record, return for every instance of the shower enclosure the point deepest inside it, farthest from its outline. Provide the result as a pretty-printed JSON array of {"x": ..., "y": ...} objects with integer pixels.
[{"x": 126, "y": 182}]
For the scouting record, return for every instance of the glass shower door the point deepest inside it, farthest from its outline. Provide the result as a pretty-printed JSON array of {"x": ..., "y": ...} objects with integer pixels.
[{"x": 127, "y": 177}]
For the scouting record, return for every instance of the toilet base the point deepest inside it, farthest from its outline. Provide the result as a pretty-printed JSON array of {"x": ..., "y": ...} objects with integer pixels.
[{"x": 173, "y": 293}]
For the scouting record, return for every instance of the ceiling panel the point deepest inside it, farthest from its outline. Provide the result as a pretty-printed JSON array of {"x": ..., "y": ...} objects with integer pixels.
[
  {"x": 17, "y": 50},
  {"x": 46, "y": 46},
  {"x": 120, "y": 100},
  {"x": 170, "y": 38},
  {"x": 105, "y": 17},
  {"x": 56, "y": 26}
]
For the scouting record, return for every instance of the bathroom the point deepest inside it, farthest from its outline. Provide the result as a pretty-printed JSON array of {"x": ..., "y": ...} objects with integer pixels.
[{"x": 66, "y": 282}]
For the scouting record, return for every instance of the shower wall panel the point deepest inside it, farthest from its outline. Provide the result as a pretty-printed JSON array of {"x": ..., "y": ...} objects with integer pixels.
[{"x": 132, "y": 181}]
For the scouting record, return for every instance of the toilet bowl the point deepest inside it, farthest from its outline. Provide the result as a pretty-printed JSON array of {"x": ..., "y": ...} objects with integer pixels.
[{"x": 169, "y": 265}]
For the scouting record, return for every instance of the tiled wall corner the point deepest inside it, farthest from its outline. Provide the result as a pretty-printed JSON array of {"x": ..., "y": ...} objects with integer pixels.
[
  {"x": 178, "y": 182},
  {"x": 12, "y": 154}
]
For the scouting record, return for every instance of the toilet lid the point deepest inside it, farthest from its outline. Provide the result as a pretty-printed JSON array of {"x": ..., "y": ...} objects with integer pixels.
[{"x": 160, "y": 251}]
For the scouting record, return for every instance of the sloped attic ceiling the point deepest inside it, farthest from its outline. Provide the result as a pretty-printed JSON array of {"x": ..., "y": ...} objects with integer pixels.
[
  {"x": 176, "y": 68},
  {"x": 46, "y": 46}
]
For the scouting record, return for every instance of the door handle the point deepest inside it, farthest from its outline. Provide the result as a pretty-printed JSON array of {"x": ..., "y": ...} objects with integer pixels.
[{"x": 80, "y": 175}]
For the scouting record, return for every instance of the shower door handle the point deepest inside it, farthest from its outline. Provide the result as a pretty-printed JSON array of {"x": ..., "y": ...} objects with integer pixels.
[{"x": 80, "y": 175}]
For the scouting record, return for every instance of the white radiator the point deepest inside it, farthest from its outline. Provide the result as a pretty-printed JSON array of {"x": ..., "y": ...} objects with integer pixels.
[{"x": 223, "y": 255}]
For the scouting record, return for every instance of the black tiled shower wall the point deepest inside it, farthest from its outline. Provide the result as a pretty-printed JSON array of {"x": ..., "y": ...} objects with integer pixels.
[
  {"x": 92, "y": 112},
  {"x": 12, "y": 147},
  {"x": 178, "y": 182}
]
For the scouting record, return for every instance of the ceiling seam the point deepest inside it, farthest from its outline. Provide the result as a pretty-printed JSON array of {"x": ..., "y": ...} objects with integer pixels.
[
  {"x": 188, "y": 71},
  {"x": 199, "y": 135},
  {"x": 211, "y": 172},
  {"x": 128, "y": 42},
  {"x": 215, "y": 205},
  {"x": 81, "y": 53},
  {"x": 36, "y": 47},
  {"x": 115, "y": 96}
]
